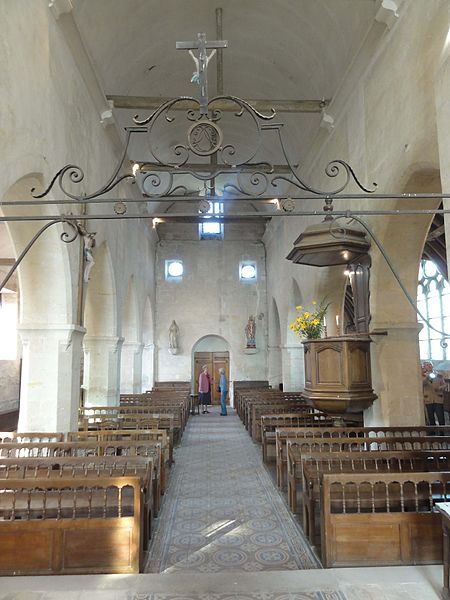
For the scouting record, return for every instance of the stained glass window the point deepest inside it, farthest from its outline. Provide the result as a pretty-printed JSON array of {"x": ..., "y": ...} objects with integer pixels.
[{"x": 433, "y": 301}]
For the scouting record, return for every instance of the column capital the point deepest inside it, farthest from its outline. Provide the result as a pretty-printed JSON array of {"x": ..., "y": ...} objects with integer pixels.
[
  {"x": 112, "y": 342},
  {"x": 413, "y": 327}
]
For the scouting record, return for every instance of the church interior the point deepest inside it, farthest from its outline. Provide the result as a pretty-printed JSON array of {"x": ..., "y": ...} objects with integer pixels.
[{"x": 224, "y": 299}]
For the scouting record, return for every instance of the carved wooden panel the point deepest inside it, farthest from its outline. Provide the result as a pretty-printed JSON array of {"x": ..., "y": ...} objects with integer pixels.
[
  {"x": 329, "y": 365},
  {"x": 359, "y": 366}
]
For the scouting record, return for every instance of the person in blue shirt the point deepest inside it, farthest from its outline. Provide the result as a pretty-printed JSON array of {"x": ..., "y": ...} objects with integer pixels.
[{"x": 223, "y": 387}]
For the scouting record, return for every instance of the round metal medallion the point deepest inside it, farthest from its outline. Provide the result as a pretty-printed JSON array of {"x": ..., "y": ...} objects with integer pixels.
[{"x": 204, "y": 138}]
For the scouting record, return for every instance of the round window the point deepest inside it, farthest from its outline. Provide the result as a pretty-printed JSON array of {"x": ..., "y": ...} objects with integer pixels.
[
  {"x": 248, "y": 272},
  {"x": 175, "y": 268}
]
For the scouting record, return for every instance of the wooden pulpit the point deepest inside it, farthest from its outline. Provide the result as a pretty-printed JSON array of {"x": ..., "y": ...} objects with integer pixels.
[{"x": 337, "y": 374}]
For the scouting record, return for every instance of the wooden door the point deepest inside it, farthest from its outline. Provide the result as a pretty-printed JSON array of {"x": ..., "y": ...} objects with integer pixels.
[{"x": 214, "y": 361}]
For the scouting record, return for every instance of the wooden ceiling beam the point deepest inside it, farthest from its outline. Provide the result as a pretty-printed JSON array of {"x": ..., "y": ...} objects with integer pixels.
[{"x": 264, "y": 106}]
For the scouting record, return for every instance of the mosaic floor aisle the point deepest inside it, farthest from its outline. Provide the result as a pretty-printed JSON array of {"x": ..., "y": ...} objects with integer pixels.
[{"x": 222, "y": 511}]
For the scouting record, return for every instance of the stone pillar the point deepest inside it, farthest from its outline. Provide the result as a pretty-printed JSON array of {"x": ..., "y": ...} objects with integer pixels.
[
  {"x": 50, "y": 386},
  {"x": 102, "y": 370},
  {"x": 148, "y": 367},
  {"x": 275, "y": 376},
  {"x": 131, "y": 368},
  {"x": 442, "y": 83},
  {"x": 293, "y": 367},
  {"x": 397, "y": 385}
]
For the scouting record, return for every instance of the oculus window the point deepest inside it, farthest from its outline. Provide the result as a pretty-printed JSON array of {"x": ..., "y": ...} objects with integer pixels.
[
  {"x": 247, "y": 271},
  {"x": 433, "y": 301},
  {"x": 212, "y": 228},
  {"x": 174, "y": 270}
]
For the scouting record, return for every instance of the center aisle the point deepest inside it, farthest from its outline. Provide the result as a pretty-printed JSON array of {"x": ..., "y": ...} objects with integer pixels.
[{"x": 222, "y": 512}]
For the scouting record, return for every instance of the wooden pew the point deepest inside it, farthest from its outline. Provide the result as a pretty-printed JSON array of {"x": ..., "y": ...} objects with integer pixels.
[
  {"x": 314, "y": 465},
  {"x": 157, "y": 436},
  {"x": 131, "y": 417},
  {"x": 283, "y": 399},
  {"x": 88, "y": 450},
  {"x": 70, "y": 526},
  {"x": 282, "y": 434},
  {"x": 292, "y": 420},
  {"x": 296, "y": 449},
  {"x": 373, "y": 519},
  {"x": 92, "y": 467},
  {"x": 257, "y": 411},
  {"x": 32, "y": 436}
]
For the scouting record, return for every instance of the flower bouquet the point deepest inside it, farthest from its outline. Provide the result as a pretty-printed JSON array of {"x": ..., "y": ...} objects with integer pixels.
[{"x": 310, "y": 323}]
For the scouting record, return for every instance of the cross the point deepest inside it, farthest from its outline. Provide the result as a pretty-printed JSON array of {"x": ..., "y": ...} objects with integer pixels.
[{"x": 201, "y": 63}]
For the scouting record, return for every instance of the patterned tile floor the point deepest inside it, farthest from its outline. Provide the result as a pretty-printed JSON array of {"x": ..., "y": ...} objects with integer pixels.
[{"x": 222, "y": 511}]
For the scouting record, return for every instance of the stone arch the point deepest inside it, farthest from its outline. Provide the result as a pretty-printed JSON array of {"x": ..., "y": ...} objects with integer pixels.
[
  {"x": 397, "y": 382},
  {"x": 275, "y": 374},
  {"x": 295, "y": 299},
  {"x": 100, "y": 313},
  {"x": 101, "y": 344},
  {"x": 148, "y": 353},
  {"x": 131, "y": 359},
  {"x": 210, "y": 343},
  {"x": 51, "y": 337}
]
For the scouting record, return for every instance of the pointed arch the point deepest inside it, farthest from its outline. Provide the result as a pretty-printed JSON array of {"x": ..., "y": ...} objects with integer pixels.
[
  {"x": 274, "y": 350},
  {"x": 100, "y": 314},
  {"x": 130, "y": 314},
  {"x": 148, "y": 352}
]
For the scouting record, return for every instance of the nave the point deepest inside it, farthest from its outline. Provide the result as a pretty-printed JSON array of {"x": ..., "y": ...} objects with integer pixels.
[
  {"x": 222, "y": 532},
  {"x": 222, "y": 511}
]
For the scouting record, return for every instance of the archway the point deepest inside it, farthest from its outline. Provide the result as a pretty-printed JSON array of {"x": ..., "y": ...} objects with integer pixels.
[
  {"x": 102, "y": 345},
  {"x": 50, "y": 336},
  {"x": 214, "y": 351},
  {"x": 131, "y": 356},
  {"x": 274, "y": 347},
  {"x": 148, "y": 353}
]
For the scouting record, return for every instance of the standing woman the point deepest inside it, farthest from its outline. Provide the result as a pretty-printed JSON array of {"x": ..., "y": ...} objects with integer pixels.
[
  {"x": 204, "y": 389},
  {"x": 223, "y": 387}
]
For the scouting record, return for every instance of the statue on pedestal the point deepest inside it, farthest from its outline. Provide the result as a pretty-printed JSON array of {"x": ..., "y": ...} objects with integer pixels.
[
  {"x": 250, "y": 332},
  {"x": 173, "y": 337}
]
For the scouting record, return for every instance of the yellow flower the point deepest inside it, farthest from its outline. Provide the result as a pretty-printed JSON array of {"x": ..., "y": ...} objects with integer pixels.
[
  {"x": 316, "y": 322},
  {"x": 313, "y": 302},
  {"x": 299, "y": 307},
  {"x": 299, "y": 319},
  {"x": 306, "y": 315}
]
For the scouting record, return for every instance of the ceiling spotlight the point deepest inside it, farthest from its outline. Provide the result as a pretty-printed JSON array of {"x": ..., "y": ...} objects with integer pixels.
[
  {"x": 156, "y": 222},
  {"x": 347, "y": 272},
  {"x": 135, "y": 168}
]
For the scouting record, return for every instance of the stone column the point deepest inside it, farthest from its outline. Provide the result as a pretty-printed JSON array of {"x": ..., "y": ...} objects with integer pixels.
[
  {"x": 131, "y": 368},
  {"x": 148, "y": 367},
  {"x": 102, "y": 370},
  {"x": 275, "y": 366},
  {"x": 50, "y": 386},
  {"x": 293, "y": 367},
  {"x": 442, "y": 83},
  {"x": 397, "y": 385}
]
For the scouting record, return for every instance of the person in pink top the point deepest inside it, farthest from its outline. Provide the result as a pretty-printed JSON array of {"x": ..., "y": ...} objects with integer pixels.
[{"x": 204, "y": 389}]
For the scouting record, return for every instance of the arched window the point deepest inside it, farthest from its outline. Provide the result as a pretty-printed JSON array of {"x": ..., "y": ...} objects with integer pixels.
[{"x": 433, "y": 301}]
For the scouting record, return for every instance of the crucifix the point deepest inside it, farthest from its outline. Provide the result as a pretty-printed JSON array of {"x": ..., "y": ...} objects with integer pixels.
[{"x": 201, "y": 62}]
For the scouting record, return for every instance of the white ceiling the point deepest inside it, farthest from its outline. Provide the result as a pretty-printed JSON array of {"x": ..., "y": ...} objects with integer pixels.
[{"x": 283, "y": 49}]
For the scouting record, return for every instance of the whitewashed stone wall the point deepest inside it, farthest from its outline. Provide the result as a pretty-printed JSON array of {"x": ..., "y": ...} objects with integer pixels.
[
  {"x": 385, "y": 127},
  {"x": 210, "y": 300}
]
